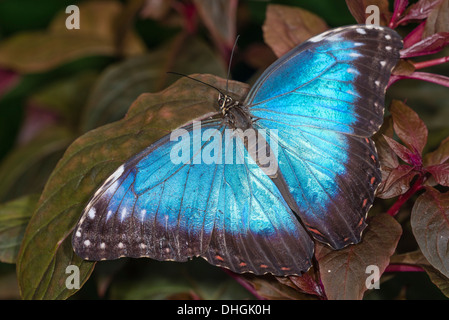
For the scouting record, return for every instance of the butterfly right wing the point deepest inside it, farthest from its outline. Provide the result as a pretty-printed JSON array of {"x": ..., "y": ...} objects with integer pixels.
[{"x": 230, "y": 214}]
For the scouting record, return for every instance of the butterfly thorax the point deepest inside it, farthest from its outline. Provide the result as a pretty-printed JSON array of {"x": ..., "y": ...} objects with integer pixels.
[{"x": 234, "y": 113}]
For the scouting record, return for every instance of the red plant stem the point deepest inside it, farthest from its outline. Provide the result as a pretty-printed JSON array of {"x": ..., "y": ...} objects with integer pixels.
[
  {"x": 430, "y": 63},
  {"x": 423, "y": 76},
  {"x": 418, "y": 185},
  {"x": 403, "y": 268}
]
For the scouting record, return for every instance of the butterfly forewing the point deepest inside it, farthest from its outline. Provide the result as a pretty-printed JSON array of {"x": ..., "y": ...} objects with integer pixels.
[{"x": 228, "y": 213}]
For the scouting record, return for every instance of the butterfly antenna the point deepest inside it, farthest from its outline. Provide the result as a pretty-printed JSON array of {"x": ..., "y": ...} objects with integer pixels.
[
  {"x": 205, "y": 83},
  {"x": 230, "y": 61}
]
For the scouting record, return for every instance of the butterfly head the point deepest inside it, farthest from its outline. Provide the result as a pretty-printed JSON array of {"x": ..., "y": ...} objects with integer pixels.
[{"x": 226, "y": 103}]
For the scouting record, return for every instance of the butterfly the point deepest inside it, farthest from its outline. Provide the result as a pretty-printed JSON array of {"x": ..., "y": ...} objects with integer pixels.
[{"x": 315, "y": 110}]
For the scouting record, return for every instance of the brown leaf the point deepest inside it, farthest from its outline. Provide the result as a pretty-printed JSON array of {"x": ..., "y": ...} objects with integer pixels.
[
  {"x": 343, "y": 272},
  {"x": 430, "y": 226},
  {"x": 438, "y": 20},
  {"x": 285, "y": 27},
  {"x": 272, "y": 289},
  {"x": 411, "y": 258},
  {"x": 403, "y": 68}
]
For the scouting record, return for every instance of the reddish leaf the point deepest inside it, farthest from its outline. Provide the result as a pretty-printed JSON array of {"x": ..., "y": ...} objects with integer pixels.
[
  {"x": 429, "y": 45},
  {"x": 358, "y": 10},
  {"x": 414, "y": 36},
  {"x": 397, "y": 181},
  {"x": 440, "y": 173},
  {"x": 285, "y": 27},
  {"x": 343, "y": 272},
  {"x": 419, "y": 10},
  {"x": 219, "y": 17},
  {"x": 305, "y": 283},
  {"x": 403, "y": 153},
  {"x": 430, "y": 225},
  {"x": 399, "y": 8},
  {"x": 440, "y": 155},
  {"x": 272, "y": 289},
  {"x": 387, "y": 157},
  {"x": 409, "y": 127},
  {"x": 7, "y": 80}
]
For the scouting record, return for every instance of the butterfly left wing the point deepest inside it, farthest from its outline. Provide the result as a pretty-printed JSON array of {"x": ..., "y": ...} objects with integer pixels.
[
  {"x": 326, "y": 99},
  {"x": 230, "y": 214}
]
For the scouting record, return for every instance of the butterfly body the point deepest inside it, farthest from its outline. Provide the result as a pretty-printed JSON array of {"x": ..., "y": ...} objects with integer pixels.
[
  {"x": 311, "y": 114},
  {"x": 234, "y": 115}
]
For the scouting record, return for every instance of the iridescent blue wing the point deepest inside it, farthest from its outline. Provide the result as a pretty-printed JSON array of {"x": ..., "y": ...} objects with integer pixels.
[
  {"x": 326, "y": 98},
  {"x": 229, "y": 213}
]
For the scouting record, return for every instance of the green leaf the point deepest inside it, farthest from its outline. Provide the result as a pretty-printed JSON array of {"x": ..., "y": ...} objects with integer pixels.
[
  {"x": 67, "y": 96},
  {"x": 14, "y": 217},
  {"x": 37, "y": 51},
  {"x": 122, "y": 83},
  {"x": 343, "y": 272},
  {"x": 26, "y": 168},
  {"x": 438, "y": 279},
  {"x": 430, "y": 225},
  {"x": 46, "y": 249},
  {"x": 194, "y": 279}
]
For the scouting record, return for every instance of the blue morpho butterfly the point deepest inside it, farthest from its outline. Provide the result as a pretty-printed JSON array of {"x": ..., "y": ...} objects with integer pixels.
[{"x": 325, "y": 98}]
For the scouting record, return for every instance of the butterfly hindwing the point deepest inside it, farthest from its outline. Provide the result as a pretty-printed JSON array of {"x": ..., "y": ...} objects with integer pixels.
[
  {"x": 326, "y": 98},
  {"x": 230, "y": 214}
]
